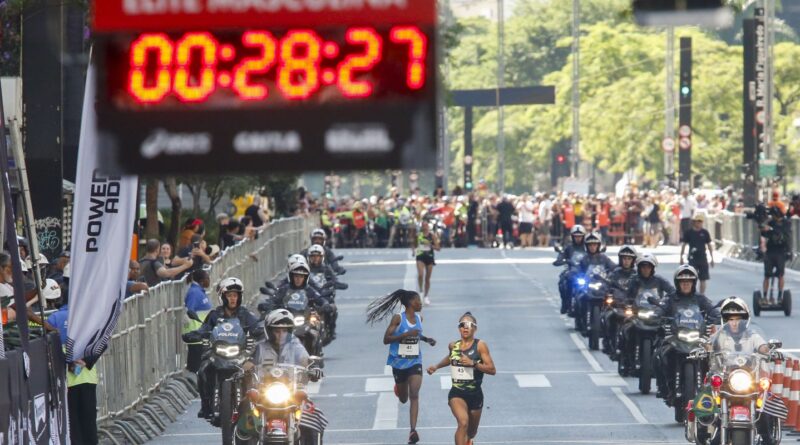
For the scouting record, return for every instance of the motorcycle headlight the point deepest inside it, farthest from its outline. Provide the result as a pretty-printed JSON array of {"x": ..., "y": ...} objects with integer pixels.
[
  {"x": 314, "y": 319},
  {"x": 299, "y": 321},
  {"x": 740, "y": 381},
  {"x": 595, "y": 286},
  {"x": 227, "y": 350},
  {"x": 277, "y": 393},
  {"x": 689, "y": 336},
  {"x": 581, "y": 281},
  {"x": 646, "y": 314}
]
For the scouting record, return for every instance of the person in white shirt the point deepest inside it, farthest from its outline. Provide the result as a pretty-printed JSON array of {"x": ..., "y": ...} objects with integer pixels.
[
  {"x": 545, "y": 216},
  {"x": 688, "y": 205},
  {"x": 525, "y": 213}
]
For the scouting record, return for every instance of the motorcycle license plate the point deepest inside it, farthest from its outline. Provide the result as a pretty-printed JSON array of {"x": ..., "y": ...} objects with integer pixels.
[
  {"x": 462, "y": 374},
  {"x": 277, "y": 426},
  {"x": 740, "y": 414},
  {"x": 409, "y": 350}
]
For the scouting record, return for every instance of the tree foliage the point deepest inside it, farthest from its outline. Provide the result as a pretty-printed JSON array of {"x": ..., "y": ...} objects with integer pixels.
[{"x": 622, "y": 93}]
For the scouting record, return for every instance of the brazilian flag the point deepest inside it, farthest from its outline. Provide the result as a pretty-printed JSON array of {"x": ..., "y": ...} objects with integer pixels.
[{"x": 703, "y": 404}]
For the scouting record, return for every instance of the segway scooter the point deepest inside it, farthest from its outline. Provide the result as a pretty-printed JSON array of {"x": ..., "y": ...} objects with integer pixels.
[{"x": 772, "y": 301}]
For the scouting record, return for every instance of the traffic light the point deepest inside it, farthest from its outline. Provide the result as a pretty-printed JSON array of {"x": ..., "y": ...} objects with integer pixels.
[
  {"x": 469, "y": 186},
  {"x": 560, "y": 165}
]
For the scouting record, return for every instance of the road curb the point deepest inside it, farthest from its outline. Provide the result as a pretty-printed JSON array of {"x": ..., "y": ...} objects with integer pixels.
[{"x": 749, "y": 265}]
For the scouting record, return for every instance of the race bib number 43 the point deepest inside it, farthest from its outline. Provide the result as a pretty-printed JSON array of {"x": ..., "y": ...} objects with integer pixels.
[{"x": 462, "y": 374}]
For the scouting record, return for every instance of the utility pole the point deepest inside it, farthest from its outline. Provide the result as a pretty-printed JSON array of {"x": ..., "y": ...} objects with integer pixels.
[
  {"x": 576, "y": 95},
  {"x": 769, "y": 130},
  {"x": 669, "y": 111},
  {"x": 501, "y": 68}
]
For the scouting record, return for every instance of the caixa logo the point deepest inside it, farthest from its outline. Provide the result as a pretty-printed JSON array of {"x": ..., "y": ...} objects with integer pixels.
[{"x": 175, "y": 144}]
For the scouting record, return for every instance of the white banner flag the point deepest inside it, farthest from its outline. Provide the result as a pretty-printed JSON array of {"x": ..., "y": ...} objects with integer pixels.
[{"x": 102, "y": 229}]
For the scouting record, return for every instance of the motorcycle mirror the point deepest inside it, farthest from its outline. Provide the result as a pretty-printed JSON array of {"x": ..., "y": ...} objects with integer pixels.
[
  {"x": 775, "y": 344},
  {"x": 264, "y": 307},
  {"x": 269, "y": 285},
  {"x": 341, "y": 286},
  {"x": 339, "y": 258},
  {"x": 341, "y": 272},
  {"x": 265, "y": 291},
  {"x": 603, "y": 249},
  {"x": 557, "y": 247},
  {"x": 193, "y": 315}
]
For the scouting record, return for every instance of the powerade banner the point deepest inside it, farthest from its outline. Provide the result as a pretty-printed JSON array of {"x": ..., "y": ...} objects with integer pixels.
[
  {"x": 24, "y": 411},
  {"x": 102, "y": 225}
]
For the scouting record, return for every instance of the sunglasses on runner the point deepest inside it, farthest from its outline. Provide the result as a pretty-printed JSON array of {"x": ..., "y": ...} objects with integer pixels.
[{"x": 467, "y": 324}]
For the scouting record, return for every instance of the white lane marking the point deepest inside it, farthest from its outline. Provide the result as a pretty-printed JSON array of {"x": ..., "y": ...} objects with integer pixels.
[
  {"x": 387, "y": 412},
  {"x": 635, "y": 412},
  {"x": 387, "y": 370},
  {"x": 585, "y": 352},
  {"x": 607, "y": 380},
  {"x": 410, "y": 280},
  {"x": 548, "y": 425},
  {"x": 313, "y": 387},
  {"x": 532, "y": 381},
  {"x": 379, "y": 385},
  {"x": 446, "y": 382}
]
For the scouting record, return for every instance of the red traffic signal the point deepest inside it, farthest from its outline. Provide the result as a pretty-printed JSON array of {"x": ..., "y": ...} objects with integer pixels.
[{"x": 561, "y": 159}]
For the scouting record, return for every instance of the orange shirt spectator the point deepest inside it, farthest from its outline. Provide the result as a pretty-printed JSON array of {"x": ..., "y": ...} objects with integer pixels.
[
  {"x": 603, "y": 219},
  {"x": 569, "y": 216},
  {"x": 776, "y": 202}
]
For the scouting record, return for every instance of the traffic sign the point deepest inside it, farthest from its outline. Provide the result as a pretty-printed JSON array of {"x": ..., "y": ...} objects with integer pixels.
[
  {"x": 266, "y": 86},
  {"x": 685, "y": 143},
  {"x": 668, "y": 144},
  {"x": 685, "y": 131}
]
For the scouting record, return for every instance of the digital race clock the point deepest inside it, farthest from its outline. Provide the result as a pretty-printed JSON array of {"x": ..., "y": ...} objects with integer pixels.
[{"x": 254, "y": 85}]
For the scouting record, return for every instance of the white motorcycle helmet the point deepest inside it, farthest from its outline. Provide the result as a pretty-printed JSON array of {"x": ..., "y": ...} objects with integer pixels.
[
  {"x": 279, "y": 318},
  {"x": 318, "y": 233},
  {"x": 683, "y": 273},
  {"x": 734, "y": 306},
  {"x": 51, "y": 290},
  {"x": 299, "y": 267},
  {"x": 231, "y": 284},
  {"x": 316, "y": 249},
  {"x": 577, "y": 230}
]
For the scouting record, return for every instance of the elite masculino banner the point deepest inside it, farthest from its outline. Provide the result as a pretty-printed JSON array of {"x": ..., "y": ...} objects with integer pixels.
[{"x": 102, "y": 225}]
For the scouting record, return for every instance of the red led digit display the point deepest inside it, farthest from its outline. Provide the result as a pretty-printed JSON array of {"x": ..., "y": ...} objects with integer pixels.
[{"x": 259, "y": 67}]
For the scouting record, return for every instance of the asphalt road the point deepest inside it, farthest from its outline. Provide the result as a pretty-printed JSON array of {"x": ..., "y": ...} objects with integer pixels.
[{"x": 549, "y": 388}]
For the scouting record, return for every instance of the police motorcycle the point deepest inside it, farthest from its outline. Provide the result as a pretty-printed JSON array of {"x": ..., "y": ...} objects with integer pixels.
[
  {"x": 310, "y": 326},
  {"x": 226, "y": 349},
  {"x": 612, "y": 317},
  {"x": 732, "y": 410},
  {"x": 681, "y": 334},
  {"x": 638, "y": 335},
  {"x": 591, "y": 298},
  {"x": 571, "y": 281}
]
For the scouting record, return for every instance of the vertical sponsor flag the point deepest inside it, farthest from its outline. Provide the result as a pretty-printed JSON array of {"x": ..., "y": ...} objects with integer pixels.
[{"x": 103, "y": 219}]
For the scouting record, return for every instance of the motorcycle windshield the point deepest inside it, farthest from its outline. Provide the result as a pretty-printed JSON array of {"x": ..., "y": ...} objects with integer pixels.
[
  {"x": 318, "y": 279},
  {"x": 644, "y": 294},
  {"x": 297, "y": 302},
  {"x": 689, "y": 317},
  {"x": 576, "y": 259},
  {"x": 598, "y": 272},
  {"x": 736, "y": 345},
  {"x": 228, "y": 331}
]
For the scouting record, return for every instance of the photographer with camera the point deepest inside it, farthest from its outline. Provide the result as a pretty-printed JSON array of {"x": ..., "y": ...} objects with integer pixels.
[{"x": 776, "y": 242}]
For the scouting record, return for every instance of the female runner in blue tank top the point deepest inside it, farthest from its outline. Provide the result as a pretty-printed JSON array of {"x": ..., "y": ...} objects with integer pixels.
[
  {"x": 469, "y": 360},
  {"x": 403, "y": 337}
]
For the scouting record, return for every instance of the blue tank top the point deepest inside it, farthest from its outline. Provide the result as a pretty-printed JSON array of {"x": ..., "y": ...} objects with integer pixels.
[{"x": 406, "y": 353}]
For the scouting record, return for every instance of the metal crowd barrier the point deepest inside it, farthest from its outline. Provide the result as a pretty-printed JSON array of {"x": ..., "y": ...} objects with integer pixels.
[
  {"x": 146, "y": 347},
  {"x": 739, "y": 236}
]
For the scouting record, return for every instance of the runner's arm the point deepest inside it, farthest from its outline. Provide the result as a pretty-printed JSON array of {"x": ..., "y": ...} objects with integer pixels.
[{"x": 486, "y": 364}]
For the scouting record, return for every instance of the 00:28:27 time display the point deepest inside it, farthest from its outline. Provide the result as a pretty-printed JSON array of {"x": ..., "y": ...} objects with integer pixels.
[{"x": 188, "y": 68}]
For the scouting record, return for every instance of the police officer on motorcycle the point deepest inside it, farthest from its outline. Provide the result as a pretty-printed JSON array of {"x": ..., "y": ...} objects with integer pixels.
[
  {"x": 231, "y": 306},
  {"x": 318, "y": 237},
  {"x": 322, "y": 274},
  {"x": 620, "y": 280},
  {"x": 685, "y": 279},
  {"x": 564, "y": 287},
  {"x": 646, "y": 278},
  {"x": 737, "y": 336},
  {"x": 594, "y": 257},
  {"x": 280, "y": 346},
  {"x": 297, "y": 280}
]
